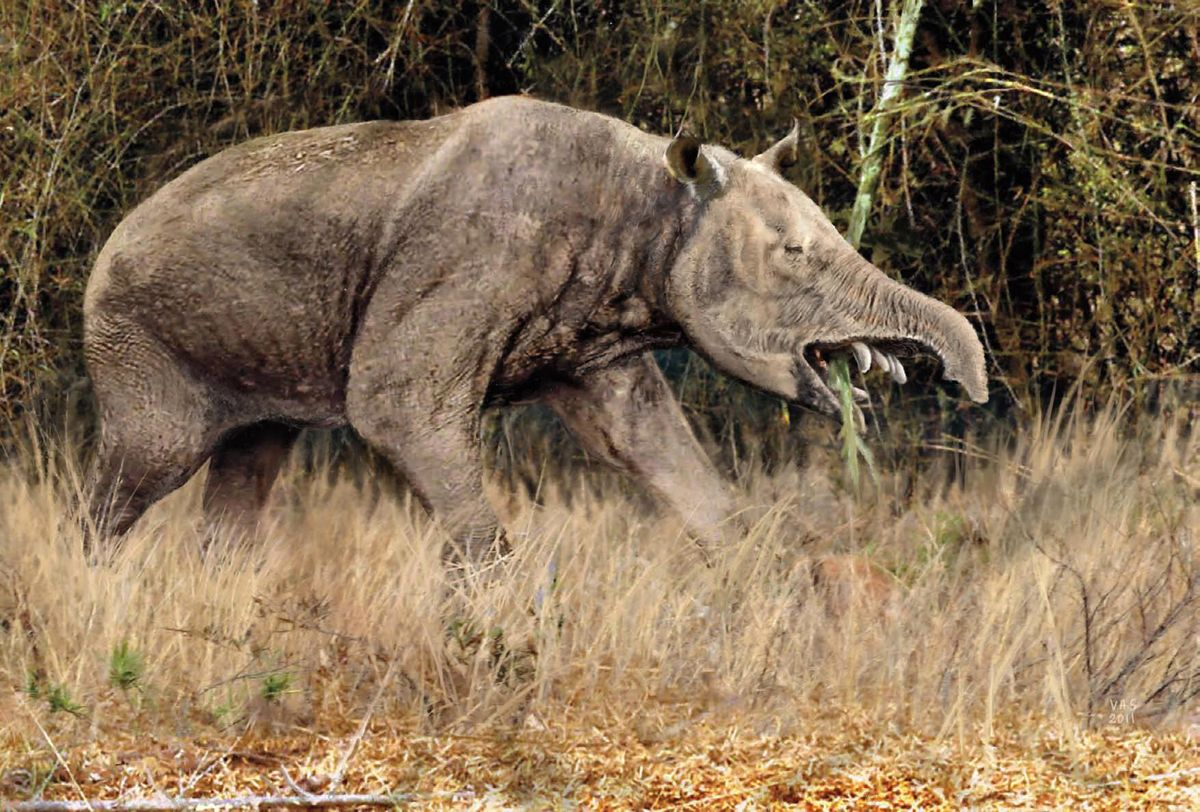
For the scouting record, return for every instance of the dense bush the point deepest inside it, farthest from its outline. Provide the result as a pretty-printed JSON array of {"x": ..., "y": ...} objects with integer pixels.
[{"x": 1042, "y": 175}]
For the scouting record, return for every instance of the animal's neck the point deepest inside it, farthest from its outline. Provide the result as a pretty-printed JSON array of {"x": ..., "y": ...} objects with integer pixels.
[
  {"x": 651, "y": 223},
  {"x": 630, "y": 314}
]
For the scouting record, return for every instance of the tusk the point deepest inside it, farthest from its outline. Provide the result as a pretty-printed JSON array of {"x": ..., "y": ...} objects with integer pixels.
[
  {"x": 862, "y": 355},
  {"x": 881, "y": 360},
  {"x": 898, "y": 373},
  {"x": 860, "y": 395}
]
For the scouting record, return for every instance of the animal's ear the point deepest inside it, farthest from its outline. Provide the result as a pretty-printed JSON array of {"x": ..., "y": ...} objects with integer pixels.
[
  {"x": 687, "y": 163},
  {"x": 784, "y": 153}
]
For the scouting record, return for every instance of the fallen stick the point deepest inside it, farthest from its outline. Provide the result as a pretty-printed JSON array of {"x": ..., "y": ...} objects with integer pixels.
[
  {"x": 306, "y": 801},
  {"x": 340, "y": 772},
  {"x": 1138, "y": 779}
]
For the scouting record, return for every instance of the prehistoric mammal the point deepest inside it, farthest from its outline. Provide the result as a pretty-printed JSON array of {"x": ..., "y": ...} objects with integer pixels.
[{"x": 398, "y": 276}]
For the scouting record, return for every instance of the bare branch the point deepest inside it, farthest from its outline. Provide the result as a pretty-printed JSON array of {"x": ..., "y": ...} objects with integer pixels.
[{"x": 240, "y": 802}]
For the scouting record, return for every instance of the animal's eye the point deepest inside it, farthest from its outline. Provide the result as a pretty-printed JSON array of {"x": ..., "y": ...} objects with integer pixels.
[{"x": 794, "y": 250}]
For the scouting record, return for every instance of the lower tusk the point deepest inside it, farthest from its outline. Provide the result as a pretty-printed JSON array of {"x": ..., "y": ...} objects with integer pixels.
[
  {"x": 881, "y": 360},
  {"x": 860, "y": 395},
  {"x": 862, "y": 355},
  {"x": 897, "y": 369}
]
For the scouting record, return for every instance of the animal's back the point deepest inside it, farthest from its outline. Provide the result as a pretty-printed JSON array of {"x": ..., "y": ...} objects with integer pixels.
[{"x": 251, "y": 268}]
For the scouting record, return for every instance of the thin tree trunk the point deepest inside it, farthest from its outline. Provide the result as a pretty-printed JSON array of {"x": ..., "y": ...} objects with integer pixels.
[
  {"x": 483, "y": 41},
  {"x": 880, "y": 118}
]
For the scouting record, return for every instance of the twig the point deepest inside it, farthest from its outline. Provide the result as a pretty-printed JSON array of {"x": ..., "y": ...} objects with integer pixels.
[
  {"x": 362, "y": 729},
  {"x": 296, "y": 788},
  {"x": 966, "y": 266},
  {"x": 483, "y": 40},
  {"x": 1195, "y": 225},
  {"x": 207, "y": 768},
  {"x": 1191, "y": 480},
  {"x": 1148, "y": 778},
  {"x": 84, "y": 804},
  {"x": 538, "y": 26},
  {"x": 766, "y": 35},
  {"x": 393, "y": 48},
  {"x": 241, "y": 802}
]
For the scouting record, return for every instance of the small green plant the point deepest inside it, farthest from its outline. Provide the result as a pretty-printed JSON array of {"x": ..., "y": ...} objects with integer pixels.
[
  {"x": 461, "y": 631},
  {"x": 853, "y": 445},
  {"x": 471, "y": 640},
  {"x": 274, "y": 686},
  {"x": 221, "y": 713},
  {"x": 60, "y": 700},
  {"x": 33, "y": 685},
  {"x": 125, "y": 667},
  {"x": 950, "y": 530},
  {"x": 41, "y": 775},
  {"x": 950, "y": 535}
]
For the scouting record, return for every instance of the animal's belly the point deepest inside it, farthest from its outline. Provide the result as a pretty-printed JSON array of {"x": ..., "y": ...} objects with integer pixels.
[{"x": 275, "y": 369}]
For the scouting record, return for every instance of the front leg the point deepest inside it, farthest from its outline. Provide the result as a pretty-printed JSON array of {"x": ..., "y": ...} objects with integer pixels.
[
  {"x": 627, "y": 415},
  {"x": 418, "y": 402}
]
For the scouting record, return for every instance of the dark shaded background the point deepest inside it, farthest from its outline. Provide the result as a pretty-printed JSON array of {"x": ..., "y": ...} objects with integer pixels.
[{"x": 1040, "y": 177}]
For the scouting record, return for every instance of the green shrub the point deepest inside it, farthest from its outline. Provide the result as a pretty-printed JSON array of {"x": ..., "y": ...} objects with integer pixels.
[{"x": 125, "y": 667}]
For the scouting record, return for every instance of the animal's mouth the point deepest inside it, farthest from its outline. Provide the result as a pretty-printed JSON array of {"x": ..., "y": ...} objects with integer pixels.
[{"x": 862, "y": 354}]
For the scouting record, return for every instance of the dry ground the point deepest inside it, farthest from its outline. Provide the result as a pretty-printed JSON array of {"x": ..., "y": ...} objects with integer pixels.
[
  {"x": 842, "y": 761},
  {"x": 1023, "y": 636}
]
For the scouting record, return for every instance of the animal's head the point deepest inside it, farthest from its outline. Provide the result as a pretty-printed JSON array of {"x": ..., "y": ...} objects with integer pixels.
[{"x": 767, "y": 289}]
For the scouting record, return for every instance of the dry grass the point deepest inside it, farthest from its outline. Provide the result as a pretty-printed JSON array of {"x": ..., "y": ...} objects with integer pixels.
[{"x": 1049, "y": 594}]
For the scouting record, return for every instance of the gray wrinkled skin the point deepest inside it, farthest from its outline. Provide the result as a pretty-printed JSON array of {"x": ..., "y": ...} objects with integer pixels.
[{"x": 398, "y": 276}]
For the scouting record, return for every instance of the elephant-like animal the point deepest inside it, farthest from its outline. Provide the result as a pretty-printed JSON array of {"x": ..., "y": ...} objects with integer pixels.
[{"x": 398, "y": 276}]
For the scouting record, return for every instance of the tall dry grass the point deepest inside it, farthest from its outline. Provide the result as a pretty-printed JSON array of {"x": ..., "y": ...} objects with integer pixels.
[{"x": 1052, "y": 582}]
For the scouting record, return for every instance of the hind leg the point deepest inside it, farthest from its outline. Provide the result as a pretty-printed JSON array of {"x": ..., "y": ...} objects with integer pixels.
[
  {"x": 137, "y": 468},
  {"x": 241, "y": 473},
  {"x": 157, "y": 428}
]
